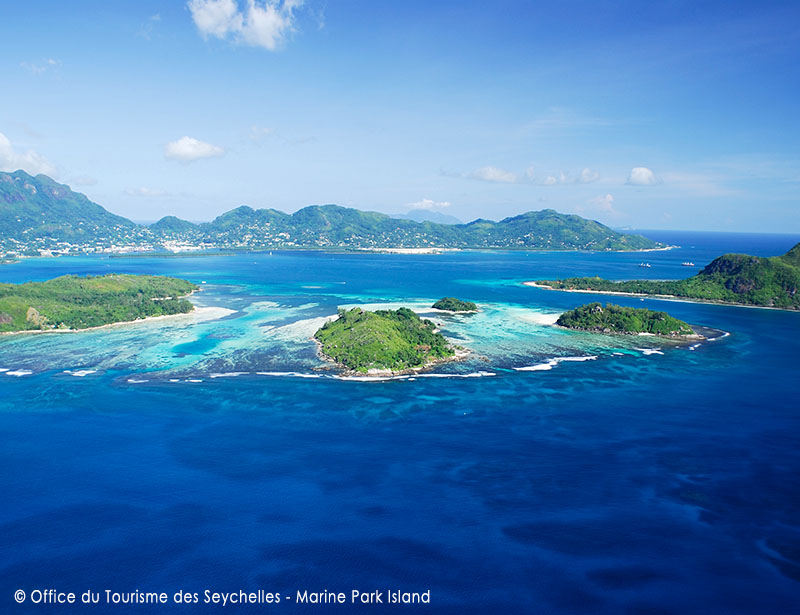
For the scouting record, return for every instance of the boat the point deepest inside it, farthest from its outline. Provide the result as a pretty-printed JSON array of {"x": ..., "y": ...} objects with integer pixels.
[
  {"x": 687, "y": 264},
  {"x": 644, "y": 264}
]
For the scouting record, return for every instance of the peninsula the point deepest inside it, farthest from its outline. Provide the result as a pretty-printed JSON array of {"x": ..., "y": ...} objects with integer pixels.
[
  {"x": 73, "y": 303},
  {"x": 738, "y": 279},
  {"x": 382, "y": 342},
  {"x": 451, "y": 304},
  {"x": 617, "y": 319}
]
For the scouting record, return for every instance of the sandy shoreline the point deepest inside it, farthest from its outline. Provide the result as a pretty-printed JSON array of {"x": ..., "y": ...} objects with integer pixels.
[
  {"x": 665, "y": 297},
  {"x": 199, "y": 314}
]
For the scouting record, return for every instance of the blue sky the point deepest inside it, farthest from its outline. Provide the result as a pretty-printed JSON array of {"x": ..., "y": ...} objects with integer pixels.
[{"x": 678, "y": 115}]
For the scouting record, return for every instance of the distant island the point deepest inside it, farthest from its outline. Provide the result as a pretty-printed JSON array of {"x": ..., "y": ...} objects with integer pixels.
[
  {"x": 72, "y": 303},
  {"x": 617, "y": 319},
  {"x": 738, "y": 279},
  {"x": 41, "y": 217},
  {"x": 451, "y": 304},
  {"x": 382, "y": 342}
]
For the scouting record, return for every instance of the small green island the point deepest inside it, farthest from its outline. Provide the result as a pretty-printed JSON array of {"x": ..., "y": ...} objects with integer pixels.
[
  {"x": 382, "y": 342},
  {"x": 451, "y": 304},
  {"x": 618, "y": 319},
  {"x": 738, "y": 279},
  {"x": 72, "y": 303}
]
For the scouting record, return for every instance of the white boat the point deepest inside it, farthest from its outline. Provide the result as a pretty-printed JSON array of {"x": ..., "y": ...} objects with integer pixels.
[
  {"x": 687, "y": 264},
  {"x": 644, "y": 264}
]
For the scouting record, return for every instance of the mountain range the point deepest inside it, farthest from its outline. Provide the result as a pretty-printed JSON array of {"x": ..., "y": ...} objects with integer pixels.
[{"x": 38, "y": 214}]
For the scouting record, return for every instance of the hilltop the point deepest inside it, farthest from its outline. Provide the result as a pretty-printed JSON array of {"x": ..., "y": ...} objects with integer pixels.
[{"x": 39, "y": 216}]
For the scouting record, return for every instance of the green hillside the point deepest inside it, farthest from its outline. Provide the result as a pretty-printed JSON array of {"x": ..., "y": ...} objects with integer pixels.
[
  {"x": 731, "y": 278},
  {"x": 40, "y": 208},
  {"x": 617, "y": 319},
  {"x": 395, "y": 340},
  {"x": 38, "y": 214},
  {"x": 72, "y": 302}
]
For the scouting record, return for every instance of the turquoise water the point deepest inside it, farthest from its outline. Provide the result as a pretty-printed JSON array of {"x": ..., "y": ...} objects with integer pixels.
[{"x": 551, "y": 471}]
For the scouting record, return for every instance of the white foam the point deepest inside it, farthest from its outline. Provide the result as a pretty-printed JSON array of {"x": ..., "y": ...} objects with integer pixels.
[
  {"x": 3, "y": 369},
  {"x": 228, "y": 374},
  {"x": 649, "y": 351},
  {"x": 714, "y": 339},
  {"x": 470, "y": 375},
  {"x": 80, "y": 373},
  {"x": 551, "y": 363},
  {"x": 18, "y": 372},
  {"x": 194, "y": 380},
  {"x": 293, "y": 374},
  {"x": 136, "y": 381}
]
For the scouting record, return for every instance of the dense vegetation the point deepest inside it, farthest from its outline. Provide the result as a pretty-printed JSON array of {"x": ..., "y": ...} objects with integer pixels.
[
  {"x": 617, "y": 319},
  {"x": 451, "y": 304},
  {"x": 37, "y": 213},
  {"x": 732, "y": 278},
  {"x": 395, "y": 340},
  {"x": 72, "y": 302},
  {"x": 40, "y": 208}
]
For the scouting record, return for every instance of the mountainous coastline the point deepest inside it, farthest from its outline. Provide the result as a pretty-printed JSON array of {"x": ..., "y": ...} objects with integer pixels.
[
  {"x": 41, "y": 216},
  {"x": 742, "y": 279}
]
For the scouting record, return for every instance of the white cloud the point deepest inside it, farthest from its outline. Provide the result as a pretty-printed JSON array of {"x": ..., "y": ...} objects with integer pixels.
[
  {"x": 588, "y": 176},
  {"x": 429, "y": 204},
  {"x": 146, "y": 192},
  {"x": 494, "y": 174},
  {"x": 147, "y": 28},
  {"x": 642, "y": 176},
  {"x": 40, "y": 66},
  {"x": 83, "y": 180},
  {"x": 188, "y": 149},
  {"x": 497, "y": 175},
  {"x": 258, "y": 23},
  {"x": 604, "y": 204},
  {"x": 30, "y": 161},
  {"x": 260, "y": 133}
]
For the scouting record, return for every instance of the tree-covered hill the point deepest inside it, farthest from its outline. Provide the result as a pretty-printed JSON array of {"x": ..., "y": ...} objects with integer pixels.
[
  {"x": 72, "y": 302},
  {"x": 394, "y": 340},
  {"x": 36, "y": 213},
  {"x": 731, "y": 278},
  {"x": 617, "y": 319},
  {"x": 39, "y": 208}
]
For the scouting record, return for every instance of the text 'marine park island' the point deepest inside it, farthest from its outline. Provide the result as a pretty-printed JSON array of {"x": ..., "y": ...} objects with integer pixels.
[{"x": 312, "y": 307}]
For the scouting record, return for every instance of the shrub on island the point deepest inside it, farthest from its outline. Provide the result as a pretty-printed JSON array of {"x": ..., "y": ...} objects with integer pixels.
[
  {"x": 387, "y": 340},
  {"x": 451, "y": 304},
  {"x": 617, "y": 319}
]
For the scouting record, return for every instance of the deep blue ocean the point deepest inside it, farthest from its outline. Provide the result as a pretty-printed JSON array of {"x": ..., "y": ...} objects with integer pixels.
[{"x": 550, "y": 472}]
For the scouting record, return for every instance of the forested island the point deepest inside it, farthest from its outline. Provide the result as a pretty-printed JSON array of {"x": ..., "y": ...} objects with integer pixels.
[
  {"x": 731, "y": 278},
  {"x": 451, "y": 304},
  {"x": 617, "y": 319},
  {"x": 71, "y": 302},
  {"x": 384, "y": 341}
]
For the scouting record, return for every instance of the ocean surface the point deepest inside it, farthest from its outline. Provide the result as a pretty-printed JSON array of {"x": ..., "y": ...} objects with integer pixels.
[{"x": 550, "y": 472}]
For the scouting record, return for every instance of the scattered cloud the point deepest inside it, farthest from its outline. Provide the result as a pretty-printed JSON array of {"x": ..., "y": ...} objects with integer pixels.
[
  {"x": 40, "y": 66},
  {"x": 30, "y": 161},
  {"x": 429, "y": 204},
  {"x": 604, "y": 204},
  {"x": 264, "y": 23},
  {"x": 642, "y": 176},
  {"x": 188, "y": 149},
  {"x": 258, "y": 133},
  {"x": 83, "y": 180},
  {"x": 147, "y": 28},
  {"x": 146, "y": 192},
  {"x": 529, "y": 176},
  {"x": 494, "y": 174}
]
